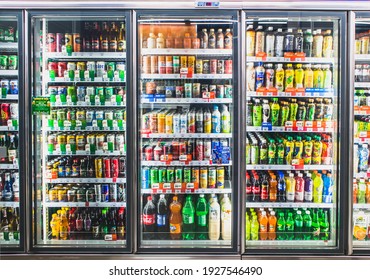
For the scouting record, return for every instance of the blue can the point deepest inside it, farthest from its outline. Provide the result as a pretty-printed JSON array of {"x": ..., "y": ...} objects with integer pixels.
[
  {"x": 170, "y": 91},
  {"x": 61, "y": 171},
  {"x": 105, "y": 193},
  {"x": 145, "y": 178},
  {"x": 81, "y": 93},
  {"x": 214, "y": 148}
]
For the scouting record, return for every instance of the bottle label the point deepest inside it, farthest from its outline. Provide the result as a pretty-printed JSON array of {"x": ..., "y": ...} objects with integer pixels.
[
  {"x": 264, "y": 193},
  {"x": 213, "y": 215},
  {"x": 161, "y": 220},
  {"x": 202, "y": 221},
  {"x": 95, "y": 231},
  {"x": 175, "y": 228},
  {"x": 121, "y": 45},
  {"x": 148, "y": 219},
  {"x": 113, "y": 45},
  {"x": 316, "y": 231},
  {"x": 256, "y": 190},
  {"x": 188, "y": 219},
  {"x": 104, "y": 45}
]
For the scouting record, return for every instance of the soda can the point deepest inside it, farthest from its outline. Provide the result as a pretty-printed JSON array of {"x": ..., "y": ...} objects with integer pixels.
[
  {"x": 220, "y": 91},
  {"x": 4, "y": 62},
  {"x": 175, "y": 150},
  {"x": 191, "y": 62},
  {"x": 60, "y": 41},
  {"x": 107, "y": 168},
  {"x": 176, "y": 123},
  {"x": 179, "y": 91},
  {"x": 145, "y": 177},
  {"x": 51, "y": 42},
  {"x": 187, "y": 175},
  {"x": 113, "y": 194},
  {"x": 121, "y": 196},
  {"x": 199, "y": 121},
  {"x": 206, "y": 66},
  {"x": 212, "y": 178},
  {"x": 153, "y": 64},
  {"x": 199, "y": 150},
  {"x": 5, "y": 87},
  {"x": 90, "y": 194},
  {"x": 13, "y": 62},
  {"x": 183, "y": 61},
  {"x": 122, "y": 167},
  {"x": 199, "y": 66},
  {"x": 81, "y": 93},
  {"x": 169, "y": 123},
  {"x": 71, "y": 66},
  {"x": 98, "y": 167},
  {"x": 188, "y": 90},
  {"x": 169, "y": 64},
  {"x": 190, "y": 149},
  {"x": 204, "y": 89},
  {"x": 154, "y": 174},
  {"x": 207, "y": 149},
  {"x": 191, "y": 121},
  {"x": 212, "y": 88},
  {"x": 203, "y": 178},
  {"x": 228, "y": 91},
  {"x": 213, "y": 66},
  {"x": 176, "y": 64},
  {"x": 195, "y": 175},
  {"x": 111, "y": 141},
  {"x": 196, "y": 90},
  {"x": 161, "y": 64},
  {"x": 170, "y": 175},
  {"x": 182, "y": 148},
  {"x": 220, "y": 66},
  {"x": 162, "y": 175},
  {"x": 220, "y": 180},
  {"x": 97, "y": 190},
  {"x": 76, "y": 39},
  {"x": 5, "y": 113},
  {"x": 90, "y": 116},
  {"x": 13, "y": 85},
  {"x": 68, "y": 39},
  {"x": 62, "y": 66},
  {"x": 178, "y": 175},
  {"x": 104, "y": 193},
  {"x": 149, "y": 153},
  {"x": 99, "y": 115},
  {"x": 228, "y": 66},
  {"x": 100, "y": 68}
]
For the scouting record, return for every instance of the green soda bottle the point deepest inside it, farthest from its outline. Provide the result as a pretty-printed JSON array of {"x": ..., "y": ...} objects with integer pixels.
[
  {"x": 298, "y": 225},
  {"x": 281, "y": 234},
  {"x": 257, "y": 113},
  {"x": 201, "y": 213},
  {"x": 247, "y": 227},
  {"x": 272, "y": 152},
  {"x": 275, "y": 110},
  {"x": 188, "y": 228},
  {"x": 289, "y": 225},
  {"x": 293, "y": 110},
  {"x": 280, "y": 150},
  {"x": 324, "y": 227},
  {"x": 315, "y": 226},
  {"x": 254, "y": 228},
  {"x": 307, "y": 226},
  {"x": 284, "y": 113}
]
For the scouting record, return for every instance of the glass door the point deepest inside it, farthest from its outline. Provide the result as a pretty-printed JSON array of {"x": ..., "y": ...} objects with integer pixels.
[
  {"x": 79, "y": 148},
  {"x": 187, "y": 90},
  {"x": 292, "y": 105},
  {"x": 11, "y": 192}
]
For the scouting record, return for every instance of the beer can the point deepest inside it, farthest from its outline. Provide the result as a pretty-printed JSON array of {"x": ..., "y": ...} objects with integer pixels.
[
  {"x": 162, "y": 175},
  {"x": 188, "y": 90},
  {"x": 113, "y": 194},
  {"x": 81, "y": 93},
  {"x": 13, "y": 63},
  {"x": 100, "y": 140},
  {"x": 51, "y": 42},
  {"x": 104, "y": 193},
  {"x": 203, "y": 177},
  {"x": 81, "y": 142},
  {"x": 176, "y": 64},
  {"x": 107, "y": 168},
  {"x": 161, "y": 64},
  {"x": 183, "y": 61},
  {"x": 178, "y": 175},
  {"x": 199, "y": 66},
  {"x": 68, "y": 39},
  {"x": 98, "y": 167},
  {"x": 195, "y": 175},
  {"x": 190, "y": 148},
  {"x": 154, "y": 174},
  {"x": 121, "y": 196},
  {"x": 212, "y": 178},
  {"x": 176, "y": 123},
  {"x": 220, "y": 180},
  {"x": 199, "y": 150},
  {"x": 191, "y": 121},
  {"x": 191, "y": 62},
  {"x": 206, "y": 66},
  {"x": 4, "y": 62},
  {"x": 207, "y": 149},
  {"x": 100, "y": 68},
  {"x": 170, "y": 174},
  {"x": 213, "y": 66},
  {"x": 122, "y": 167},
  {"x": 179, "y": 91},
  {"x": 61, "y": 139},
  {"x": 60, "y": 41},
  {"x": 196, "y": 90},
  {"x": 220, "y": 91},
  {"x": 76, "y": 42},
  {"x": 228, "y": 91},
  {"x": 228, "y": 66},
  {"x": 154, "y": 64},
  {"x": 13, "y": 87},
  {"x": 146, "y": 64},
  {"x": 97, "y": 189},
  {"x": 90, "y": 194},
  {"x": 71, "y": 66},
  {"x": 169, "y": 64},
  {"x": 91, "y": 66},
  {"x": 62, "y": 66},
  {"x": 220, "y": 66},
  {"x": 90, "y": 139},
  {"x": 145, "y": 178}
]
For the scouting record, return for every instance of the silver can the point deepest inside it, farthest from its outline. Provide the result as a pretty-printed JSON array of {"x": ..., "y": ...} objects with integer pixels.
[
  {"x": 100, "y": 68},
  {"x": 90, "y": 91},
  {"x": 100, "y": 139},
  {"x": 121, "y": 196},
  {"x": 228, "y": 91},
  {"x": 120, "y": 66},
  {"x": 196, "y": 90},
  {"x": 119, "y": 140},
  {"x": 91, "y": 66},
  {"x": 14, "y": 111},
  {"x": 111, "y": 139},
  {"x": 71, "y": 66},
  {"x": 90, "y": 116},
  {"x": 108, "y": 115},
  {"x": 97, "y": 188},
  {"x": 81, "y": 93},
  {"x": 188, "y": 90},
  {"x": 113, "y": 192}
]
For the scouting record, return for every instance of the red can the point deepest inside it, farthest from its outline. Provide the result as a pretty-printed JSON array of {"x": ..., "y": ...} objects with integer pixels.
[
  {"x": 122, "y": 167},
  {"x": 161, "y": 64},
  {"x": 115, "y": 167},
  {"x": 51, "y": 42},
  {"x": 149, "y": 153},
  {"x": 190, "y": 149},
  {"x": 199, "y": 149},
  {"x": 167, "y": 150},
  {"x": 195, "y": 43},
  {"x": 107, "y": 168},
  {"x": 59, "y": 41},
  {"x": 62, "y": 66},
  {"x": 175, "y": 150},
  {"x": 182, "y": 148},
  {"x": 228, "y": 66},
  {"x": 53, "y": 66},
  {"x": 5, "y": 113},
  {"x": 213, "y": 66}
]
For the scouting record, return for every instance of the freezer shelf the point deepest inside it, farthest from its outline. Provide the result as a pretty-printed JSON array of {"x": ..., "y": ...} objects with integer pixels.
[
  {"x": 84, "y": 104},
  {"x": 8, "y": 166},
  {"x": 61, "y": 80},
  {"x": 85, "y": 153},
  {"x": 290, "y": 59},
  {"x": 9, "y": 47},
  {"x": 186, "y": 135},
  {"x": 9, "y": 242},
  {"x": 8, "y": 128},
  {"x": 289, "y": 129},
  {"x": 363, "y": 243},
  {"x": 11, "y": 204},
  {"x": 85, "y": 180},
  {"x": 288, "y": 205},
  {"x": 186, "y": 101},
  {"x": 195, "y": 191},
  {"x": 103, "y": 243},
  {"x": 8, "y": 72},
  {"x": 85, "y": 204},
  {"x": 288, "y": 167},
  {"x": 186, "y": 243},
  {"x": 293, "y": 243},
  {"x": 184, "y": 163},
  {"x": 165, "y": 51},
  {"x": 194, "y": 77},
  {"x": 290, "y": 94},
  {"x": 362, "y": 85},
  {"x": 362, "y": 57},
  {"x": 87, "y": 55},
  {"x": 10, "y": 97},
  {"x": 361, "y": 206}
]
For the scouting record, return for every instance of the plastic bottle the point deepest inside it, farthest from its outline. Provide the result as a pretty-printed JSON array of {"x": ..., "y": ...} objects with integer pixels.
[
  {"x": 289, "y": 76},
  {"x": 298, "y": 76},
  {"x": 226, "y": 218},
  {"x": 201, "y": 216},
  {"x": 214, "y": 220},
  {"x": 260, "y": 75},
  {"x": 368, "y": 191},
  {"x": 293, "y": 110},
  {"x": 307, "y": 150},
  {"x": 279, "y": 77},
  {"x": 315, "y": 226},
  {"x": 275, "y": 110},
  {"x": 272, "y": 226},
  {"x": 265, "y": 111},
  {"x": 63, "y": 226},
  {"x": 281, "y": 188},
  {"x": 264, "y": 189},
  {"x": 308, "y": 76},
  {"x": 254, "y": 228},
  {"x": 298, "y": 226},
  {"x": 225, "y": 121},
  {"x": 256, "y": 189},
  {"x": 325, "y": 227},
  {"x": 281, "y": 229},
  {"x": 290, "y": 188},
  {"x": 307, "y": 226},
  {"x": 307, "y": 43},
  {"x": 273, "y": 189},
  {"x": 317, "y": 150},
  {"x": 298, "y": 148},
  {"x": 289, "y": 149},
  {"x": 299, "y": 188},
  {"x": 284, "y": 113},
  {"x": 361, "y": 191},
  {"x": 328, "y": 189},
  {"x": 318, "y": 186},
  {"x": 270, "y": 42},
  {"x": 149, "y": 219},
  {"x": 175, "y": 219},
  {"x": 263, "y": 226},
  {"x": 251, "y": 40},
  {"x": 257, "y": 113},
  {"x": 247, "y": 226},
  {"x": 216, "y": 120},
  {"x": 280, "y": 150},
  {"x": 289, "y": 225},
  {"x": 308, "y": 188},
  {"x": 251, "y": 77},
  {"x": 188, "y": 221},
  {"x": 54, "y": 225}
]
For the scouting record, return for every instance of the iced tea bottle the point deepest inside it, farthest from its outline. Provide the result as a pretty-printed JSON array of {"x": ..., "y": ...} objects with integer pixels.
[
  {"x": 272, "y": 226},
  {"x": 175, "y": 219},
  {"x": 263, "y": 226}
]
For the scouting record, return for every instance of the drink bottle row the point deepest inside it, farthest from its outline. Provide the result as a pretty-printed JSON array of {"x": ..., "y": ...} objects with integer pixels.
[
  {"x": 87, "y": 193},
  {"x": 86, "y": 167},
  {"x": 361, "y": 191},
  {"x": 8, "y": 34},
  {"x": 362, "y": 43},
  {"x": 9, "y": 111},
  {"x": 277, "y": 43},
  {"x": 9, "y": 186},
  {"x": 192, "y": 120},
  {"x": 361, "y": 158},
  {"x": 8, "y": 87},
  {"x": 186, "y": 89},
  {"x": 362, "y": 73},
  {"x": 90, "y": 142},
  {"x": 289, "y": 148},
  {"x": 8, "y": 147},
  {"x": 88, "y": 223},
  {"x": 87, "y": 71},
  {"x": 189, "y": 39},
  {"x": 9, "y": 224},
  {"x": 217, "y": 150},
  {"x": 204, "y": 177},
  {"x": 187, "y": 218},
  {"x": 288, "y": 109},
  {"x": 287, "y": 224},
  {"x": 361, "y": 225},
  {"x": 169, "y": 64},
  {"x": 265, "y": 75},
  {"x": 92, "y": 37},
  {"x": 361, "y": 97},
  {"x": 8, "y": 62},
  {"x": 361, "y": 124},
  {"x": 269, "y": 186}
]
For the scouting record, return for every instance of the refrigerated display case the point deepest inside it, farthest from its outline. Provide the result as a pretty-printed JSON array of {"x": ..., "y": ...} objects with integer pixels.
[
  {"x": 80, "y": 193},
  {"x": 361, "y": 184},
  {"x": 187, "y": 107},
  {"x": 12, "y": 191},
  {"x": 294, "y": 143}
]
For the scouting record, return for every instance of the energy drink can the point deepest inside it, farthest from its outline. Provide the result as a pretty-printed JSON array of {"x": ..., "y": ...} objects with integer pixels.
[
  {"x": 212, "y": 178},
  {"x": 170, "y": 175},
  {"x": 203, "y": 177},
  {"x": 199, "y": 66},
  {"x": 195, "y": 175},
  {"x": 187, "y": 175},
  {"x": 145, "y": 177},
  {"x": 178, "y": 175},
  {"x": 220, "y": 181},
  {"x": 99, "y": 168},
  {"x": 162, "y": 175},
  {"x": 154, "y": 172},
  {"x": 113, "y": 195},
  {"x": 104, "y": 193}
]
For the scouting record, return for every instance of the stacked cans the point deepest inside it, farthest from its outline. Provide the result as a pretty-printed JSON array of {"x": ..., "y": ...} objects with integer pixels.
[
  {"x": 204, "y": 177},
  {"x": 9, "y": 87},
  {"x": 9, "y": 111},
  {"x": 8, "y": 62}
]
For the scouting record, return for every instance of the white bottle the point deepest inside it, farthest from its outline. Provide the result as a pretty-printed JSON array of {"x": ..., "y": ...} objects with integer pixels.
[
  {"x": 265, "y": 111},
  {"x": 251, "y": 77},
  {"x": 151, "y": 42},
  {"x": 214, "y": 220},
  {"x": 226, "y": 215},
  {"x": 225, "y": 121},
  {"x": 160, "y": 41},
  {"x": 216, "y": 120}
]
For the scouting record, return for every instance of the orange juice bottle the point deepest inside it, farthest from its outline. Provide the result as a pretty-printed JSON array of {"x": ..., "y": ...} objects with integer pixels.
[
  {"x": 263, "y": 226},
  {"x": 272, "y": 226},
  {"x": 175, "y": 219}
]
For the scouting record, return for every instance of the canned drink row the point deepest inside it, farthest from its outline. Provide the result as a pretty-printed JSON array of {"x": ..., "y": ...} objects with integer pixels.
[
  {"x": 187, "y": 89},
  {"x": 9, "y": 111},
  {"x": 188, "y": 149},
  {"x": 8, "y": 62},
  {"x": 195, "y": 120},
  {"x": 204, "y": 177},
  {"x": 95, "y": 141},
  {"x": 9, "y": 87},
  {"x": 87, "y": 116},
  {"x": 152, "y": 64},
  {"x": 362, "y": 73},
  {"x": 87, "y": 193},
  {"x": 362, "y": 43}
]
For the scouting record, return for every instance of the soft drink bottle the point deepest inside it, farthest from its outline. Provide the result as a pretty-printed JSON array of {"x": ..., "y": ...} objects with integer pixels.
[
  {"x": 162, "y": 217},
  {"x": 149, "y": 219},
  {"x": 275, "y": 110},
  {"x": 188, "y": 225},
  {"x": 307, "y": 226},
  {"x": 281, "y": 229},
  {"x": 281, "y": 188},
  {"x": 315, "y": 226},
  {"x": 307, "y": 150},
  {"x": 263, "y": 226},
  {"x": 260, "y": 75},
  {"x": 226, "y": 217},
  {"x": 299, "y": 188},
  {"x": 247, "y": 226},
  {"x": 289, "y": 149},
  {"x": 175, "y": 218},
  {"x": 298, "y": 226},
  {"x": 216, "y": 120},
  {"x": 201, "y": 214},
  {"x": 248, "y": 188},
  {"x": 308, "y": 188},
  {"x": 324, "y": 227},
  {"x": 63, "y": 226},
  {"x": 280, "y": 150},
  {"x": 290, "y": 188},
  {"x": 284, "y": 116},
  {"x": 225, "y": 121},
  {"x": 256, "y": 189},
  {"x": 266, "y": 111},
  {"x": 251, "y": 75},
  {"x": 265, "y": 189},
  {"x": 273, "y": 189},
  {"x": 272, "y": 226},
  {"x": 254, "y": 228},
  {"x": 293, "y": 110},
  {"x": 328, "y": 189},
  {"x": 318, "y": 186},
  {"x": 363, "y": 163},
  {"x": 249, "y": 109},
  {"x": 368, "y": 191},
  {"x": 257, "y": 113},
  {"x": 54, "y": 225},
  {"x": 361, "y": 191},
  {"x": 279, "y": 77},
  {"x": 289, "y": 76},
  {"x": 271, "y": 152},
  {"x": 298, "y": 148},
  {"x": 289, "y": 225},
  {"x": 214, "y": 220}
]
